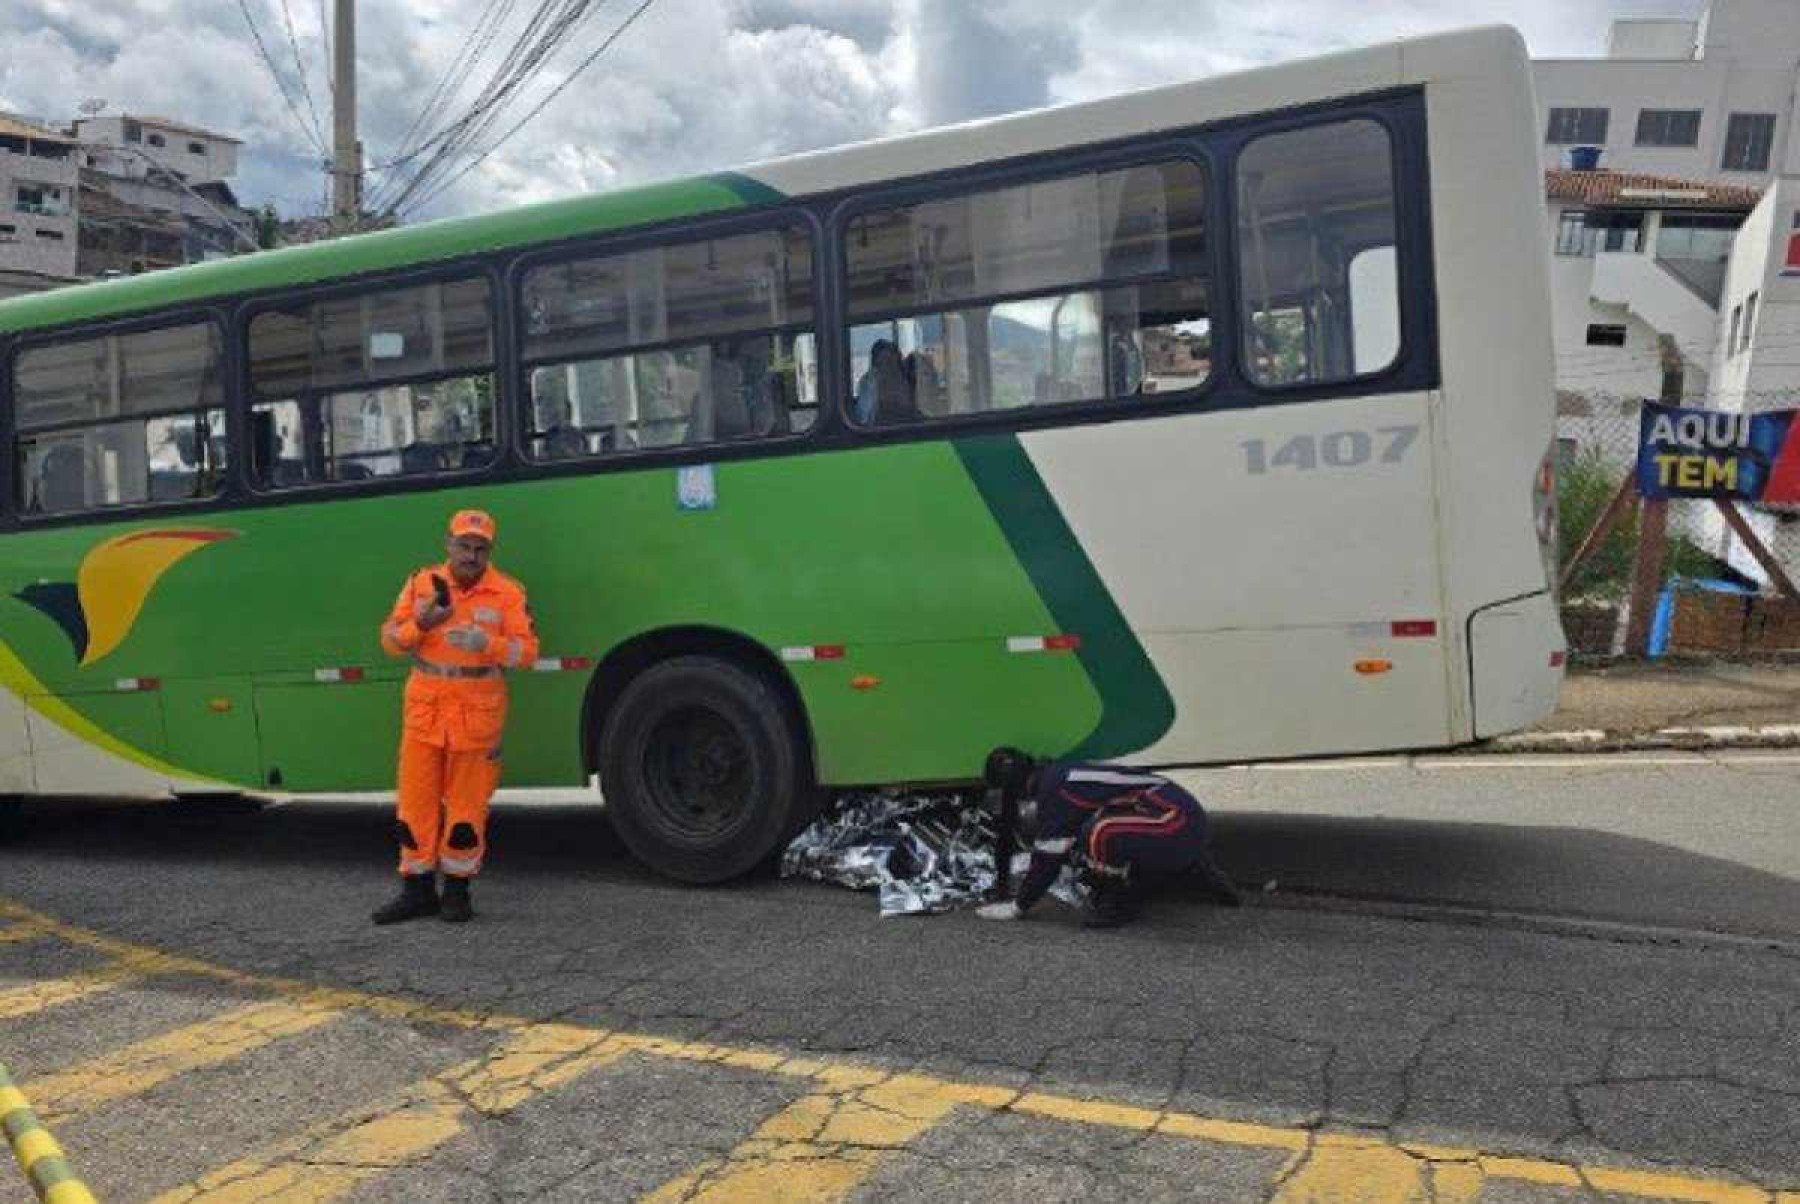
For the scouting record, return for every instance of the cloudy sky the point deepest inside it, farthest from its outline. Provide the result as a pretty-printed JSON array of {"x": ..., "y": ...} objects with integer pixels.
[{"x": 691, "y": 85}]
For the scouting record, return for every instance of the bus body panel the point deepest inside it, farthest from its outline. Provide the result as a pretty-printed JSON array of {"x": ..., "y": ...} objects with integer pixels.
[
  {"x": 1527, "y": 634},
  {"x": 1253, "y": 551},
  {"x": 1489, "y": 238}
]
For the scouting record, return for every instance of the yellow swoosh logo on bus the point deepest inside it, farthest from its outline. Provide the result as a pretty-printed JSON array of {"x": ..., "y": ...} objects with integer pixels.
[{"x": 116, "y": 577}]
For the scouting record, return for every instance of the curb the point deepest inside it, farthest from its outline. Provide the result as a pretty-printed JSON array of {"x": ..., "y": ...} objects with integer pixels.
[
  {"x": 39, "y": 1156},
  {"x": 1779, "y": 735}
]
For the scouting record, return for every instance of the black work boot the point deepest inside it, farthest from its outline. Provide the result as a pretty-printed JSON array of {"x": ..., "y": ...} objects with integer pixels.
[
  {"x": 1111, "y": 903},
  {"x": 456, "y": 901},
  {"x": 417, "y": 897}
]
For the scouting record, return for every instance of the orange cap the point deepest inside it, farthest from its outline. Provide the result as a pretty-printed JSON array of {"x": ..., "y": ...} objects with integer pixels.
[{"x": 472, "y": 522}]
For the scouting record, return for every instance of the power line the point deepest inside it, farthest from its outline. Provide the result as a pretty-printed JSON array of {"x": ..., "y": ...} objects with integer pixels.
[
  {"x": 550, "y": 25},
  {"x": 541, "y": 105},
  {"x": 280, "y": 84},
  {"x": 287, "y": 18}
]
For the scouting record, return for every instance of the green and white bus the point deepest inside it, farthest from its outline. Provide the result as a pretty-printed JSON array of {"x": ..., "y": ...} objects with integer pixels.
[{"x": 1197, "y": 425}]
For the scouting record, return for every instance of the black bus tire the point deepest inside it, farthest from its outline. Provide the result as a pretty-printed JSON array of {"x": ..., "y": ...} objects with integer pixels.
[{"x": 703, "y": 768}]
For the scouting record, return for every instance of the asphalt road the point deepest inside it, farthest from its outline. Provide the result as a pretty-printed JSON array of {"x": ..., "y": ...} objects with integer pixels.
[{"x": 1600, "y": 998}]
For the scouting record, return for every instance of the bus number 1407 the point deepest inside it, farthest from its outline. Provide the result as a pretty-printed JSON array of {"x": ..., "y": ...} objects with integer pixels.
[{"x": 1343, "y": 449}]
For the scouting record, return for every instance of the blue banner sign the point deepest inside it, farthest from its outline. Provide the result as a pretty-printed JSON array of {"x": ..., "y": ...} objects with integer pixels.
[{"x": 1712, "y": 453}]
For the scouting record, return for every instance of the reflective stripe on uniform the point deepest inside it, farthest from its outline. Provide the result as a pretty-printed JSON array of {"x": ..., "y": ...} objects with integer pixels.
[
  {"x": 417, "y": 865},
  {"x": 515, "y": 651},
  {"x": 460, "y": 865},
  {"x": 1112, "y": 777},
  {"x": 434, "y": 669},
  {"x": 1055, "y": 846}
]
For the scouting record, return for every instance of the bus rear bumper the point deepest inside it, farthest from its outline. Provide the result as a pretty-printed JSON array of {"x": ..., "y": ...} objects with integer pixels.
[{"x": 1516, "y": 657}]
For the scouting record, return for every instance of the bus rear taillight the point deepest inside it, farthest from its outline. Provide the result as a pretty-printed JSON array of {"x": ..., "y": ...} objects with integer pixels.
[{"x": 1543, "y": 509}]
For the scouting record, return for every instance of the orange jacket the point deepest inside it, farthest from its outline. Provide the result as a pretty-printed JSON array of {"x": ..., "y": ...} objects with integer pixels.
[{"x": 456, "y": 696}]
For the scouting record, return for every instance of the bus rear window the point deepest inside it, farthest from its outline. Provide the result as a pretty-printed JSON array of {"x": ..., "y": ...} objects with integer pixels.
[
  {"x": 1317, "y": 268},
  {"x": 1083, "y": 287}
]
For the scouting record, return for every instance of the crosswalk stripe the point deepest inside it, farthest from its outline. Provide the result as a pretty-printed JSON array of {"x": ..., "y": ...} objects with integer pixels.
[
  {"x": 331, "y": 1159},
  {"x": 821, "y": 1146},
  {"x": 137, "y": 1068},
  {"x": 36, "y": 997}
]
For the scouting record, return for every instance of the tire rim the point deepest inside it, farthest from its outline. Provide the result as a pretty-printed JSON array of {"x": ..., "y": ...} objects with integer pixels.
[{"x": 700, "y": 774}]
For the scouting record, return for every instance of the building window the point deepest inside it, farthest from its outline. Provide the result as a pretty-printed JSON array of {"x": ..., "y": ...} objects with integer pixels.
[
  {"x": 120, "y": 420},
  {"x": 196, "y": 148},
  {"x": 1603, "y": 335},
  {"x": 50, "y": 235},
  {"x": 45, "y": 200},
  {"x": 1577, "y": 127},
  {"x": 389, "y": 382},
  {"x": 1583, "y": 232},
  {"x": 1737, "y": 318},
  {"x": 1748, "y": 138},
  {"x": 1668, "y": 127},
  {"x": 133, "y": 131},
  {"x": 1749, "y": 322},
  {"x": 1704, "y": 236},
  {"x": 156, "y": 140}
]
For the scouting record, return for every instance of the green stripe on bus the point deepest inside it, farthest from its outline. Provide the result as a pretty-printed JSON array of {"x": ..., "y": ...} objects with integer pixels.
[{"x": 1136, "y": 707}]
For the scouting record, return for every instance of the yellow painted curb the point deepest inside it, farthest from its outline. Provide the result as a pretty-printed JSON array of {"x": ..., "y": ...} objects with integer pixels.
[{"x": 38, "y": 1155}]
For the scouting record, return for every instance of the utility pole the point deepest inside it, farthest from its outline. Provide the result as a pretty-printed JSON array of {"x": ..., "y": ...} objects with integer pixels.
[{"x": 346, "y": 156}]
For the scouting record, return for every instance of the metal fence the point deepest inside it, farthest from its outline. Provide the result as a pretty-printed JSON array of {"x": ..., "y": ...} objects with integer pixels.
[{"x": 1715, "y": 597}]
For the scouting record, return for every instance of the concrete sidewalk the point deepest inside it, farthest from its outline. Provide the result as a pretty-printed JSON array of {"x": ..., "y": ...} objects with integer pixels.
[{"x": 1671, "y": 704}]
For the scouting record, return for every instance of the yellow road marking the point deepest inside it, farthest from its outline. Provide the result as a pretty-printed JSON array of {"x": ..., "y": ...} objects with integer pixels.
[
  {"x": 1337, "y": 1168},
  {"x": 329, "y": 1160},
  {"x": 35, "y": 997},
  {"x": 138, "y": 1068},
  {"x": 822, "y": 1145},
  {"x": 846, "y": 1106}
]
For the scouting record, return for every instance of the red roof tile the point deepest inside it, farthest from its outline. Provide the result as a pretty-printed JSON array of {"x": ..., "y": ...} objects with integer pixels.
[{"x": 1632, "y": 190}]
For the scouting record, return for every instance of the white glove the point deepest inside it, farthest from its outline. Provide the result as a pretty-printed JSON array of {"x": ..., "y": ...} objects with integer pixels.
[{"x": 1006, "y": 909}]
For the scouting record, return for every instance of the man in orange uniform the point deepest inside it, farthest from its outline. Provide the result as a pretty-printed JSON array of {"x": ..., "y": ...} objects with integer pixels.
[{"x": 463, "y": 623}]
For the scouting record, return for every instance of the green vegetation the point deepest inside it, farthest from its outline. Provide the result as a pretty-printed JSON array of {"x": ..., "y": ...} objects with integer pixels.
[{"x": 1583, "y": 488}]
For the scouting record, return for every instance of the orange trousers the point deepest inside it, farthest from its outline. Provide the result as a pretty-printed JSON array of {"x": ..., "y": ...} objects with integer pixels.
[{"x": 443, "y": 807}]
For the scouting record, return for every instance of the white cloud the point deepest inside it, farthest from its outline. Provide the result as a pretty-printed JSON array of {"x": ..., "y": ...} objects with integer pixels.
[{"x": 696, "y": 85}]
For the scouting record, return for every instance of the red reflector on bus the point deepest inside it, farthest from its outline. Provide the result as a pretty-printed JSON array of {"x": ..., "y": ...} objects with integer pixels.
[
  {"x": 347, "y": 673},
  {"x": 813, "y": 652},
  {"x": 1061, "y": 643},
  {"x": 829, "y": 652},
  {"x": 1413, "y": 628},
  {"x": 577, "y": 662},
  {"x": 1558, "y": 659},
  {"x": 557, "y": 664},
  {"x": 136, "y": 683}
]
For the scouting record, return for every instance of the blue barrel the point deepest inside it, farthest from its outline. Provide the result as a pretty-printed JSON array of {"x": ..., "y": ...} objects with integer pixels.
[{"x": 1584, "y": 158}]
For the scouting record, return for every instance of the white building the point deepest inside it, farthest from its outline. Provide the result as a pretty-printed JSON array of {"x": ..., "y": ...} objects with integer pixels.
[
  {"x": 124, "y": 145},
  {"x": 39, "y": 186},
  {"x": 1673, "y": 182}
]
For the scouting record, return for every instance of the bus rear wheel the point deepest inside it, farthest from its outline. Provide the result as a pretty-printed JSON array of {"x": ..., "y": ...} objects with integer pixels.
[{"x": 703, "y": 769}]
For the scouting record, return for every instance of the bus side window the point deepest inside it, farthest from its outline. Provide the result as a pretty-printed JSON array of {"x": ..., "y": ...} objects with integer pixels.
[
  {"x": 393, "y": 382},
  {"x": 1316, "y": 233},
  {"x": 1085, "y": 287},
  {"x": 119, "y": 420},
  {"x": 690, "y": 343}
]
